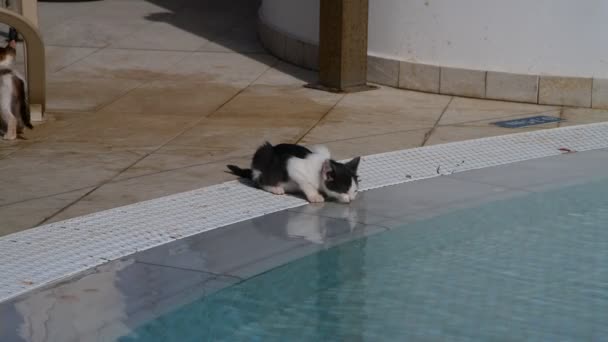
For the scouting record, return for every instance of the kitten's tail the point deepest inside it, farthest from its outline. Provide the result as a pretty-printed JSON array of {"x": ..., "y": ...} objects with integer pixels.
[{"x": 237, "y": 171}]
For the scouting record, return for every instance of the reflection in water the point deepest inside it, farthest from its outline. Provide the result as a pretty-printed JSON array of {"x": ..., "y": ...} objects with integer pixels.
[
  {"x": 317, "y": 229},
  {"x": 82, "y": 310}
]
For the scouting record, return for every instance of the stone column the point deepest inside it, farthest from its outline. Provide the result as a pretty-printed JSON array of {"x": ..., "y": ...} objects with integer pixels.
[
  {"x": 343, "y": 45},
  {"x": 29, "y": 9}
]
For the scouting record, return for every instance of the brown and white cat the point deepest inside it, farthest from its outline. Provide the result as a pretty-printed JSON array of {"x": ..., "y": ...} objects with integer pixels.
[{"x": 14, "y": 107}]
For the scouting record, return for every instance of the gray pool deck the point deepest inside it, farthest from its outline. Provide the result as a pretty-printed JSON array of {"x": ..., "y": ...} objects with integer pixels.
[{"x": 144, "y": 285}]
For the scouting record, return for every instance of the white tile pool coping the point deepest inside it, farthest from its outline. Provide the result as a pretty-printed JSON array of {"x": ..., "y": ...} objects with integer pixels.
[{"x": 36, "y": 257}]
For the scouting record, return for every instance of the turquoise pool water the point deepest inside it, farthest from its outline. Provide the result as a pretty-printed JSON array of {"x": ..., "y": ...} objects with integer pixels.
[{"x": 529, "y": 268}]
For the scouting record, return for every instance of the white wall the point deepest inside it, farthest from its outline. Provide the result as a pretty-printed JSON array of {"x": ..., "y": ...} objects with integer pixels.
[
  {"x": 555, "y": 37},
  {"x": 299, "y": 18}
]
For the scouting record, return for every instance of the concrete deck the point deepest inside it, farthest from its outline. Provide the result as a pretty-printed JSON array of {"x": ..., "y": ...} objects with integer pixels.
[{"x": 150, "y": 98}]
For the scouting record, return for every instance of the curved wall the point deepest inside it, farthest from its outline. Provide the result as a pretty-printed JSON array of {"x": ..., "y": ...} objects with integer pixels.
[
  {"x": 298, "y": 18},
  {"x": 555, "y": 37},
  {"x": 542, "y": 51}
]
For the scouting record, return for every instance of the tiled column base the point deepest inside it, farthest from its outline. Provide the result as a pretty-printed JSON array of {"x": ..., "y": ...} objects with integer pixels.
[{"x": 541, "y": 89}]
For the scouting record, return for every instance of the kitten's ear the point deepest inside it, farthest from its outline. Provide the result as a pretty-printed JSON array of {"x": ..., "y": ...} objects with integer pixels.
[
  {"x": 12, "y": 44},
  {"x": 327, "y": 170},
  {"x": 353, "y": 165}
]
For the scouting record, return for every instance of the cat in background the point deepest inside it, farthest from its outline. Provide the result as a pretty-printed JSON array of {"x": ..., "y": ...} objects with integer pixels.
[
  {"x": 295, "y": 168},
  {"x": 14, "y": 107}
]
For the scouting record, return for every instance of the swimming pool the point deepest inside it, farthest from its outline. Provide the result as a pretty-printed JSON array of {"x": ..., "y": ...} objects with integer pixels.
[
  {"x": 501, "y": 253},
  {"x": 527, "y": 268}
]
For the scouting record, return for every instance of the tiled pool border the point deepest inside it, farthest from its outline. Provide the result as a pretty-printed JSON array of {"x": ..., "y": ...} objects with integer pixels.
[{"x": 56, "y": 251}]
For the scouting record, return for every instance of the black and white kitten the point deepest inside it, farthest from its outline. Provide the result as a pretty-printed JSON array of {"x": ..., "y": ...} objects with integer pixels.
[
  {"x": 294, "y": 168},
  {"x": 14, "y": 108}
]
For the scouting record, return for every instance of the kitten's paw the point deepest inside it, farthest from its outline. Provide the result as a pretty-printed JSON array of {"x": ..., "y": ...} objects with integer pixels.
[
  {"x": 9, "y": 136},
  {"x": 277, "y": 190},
  {"x": 316, "y": 198}
]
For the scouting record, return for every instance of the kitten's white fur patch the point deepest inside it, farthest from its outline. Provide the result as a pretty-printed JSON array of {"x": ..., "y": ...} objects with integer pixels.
[
  {"x": 6, "y": 100},
  {"x": 277, "y": 190},
  {"x": 7, "y": 91},
  {"x": 306, "y": 173},
  {"x": 255, "y": 174},
  {"x": 7, "y": 62},
  {"x": 322, "y": 151},
  {"x": 344, "y": 198},
  {"x": 352, "y": 192}
]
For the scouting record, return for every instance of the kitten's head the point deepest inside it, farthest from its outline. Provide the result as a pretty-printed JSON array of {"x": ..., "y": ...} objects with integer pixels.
[
  {"x": 340, "y": 181},
  {"x": 7, "y": 54}
]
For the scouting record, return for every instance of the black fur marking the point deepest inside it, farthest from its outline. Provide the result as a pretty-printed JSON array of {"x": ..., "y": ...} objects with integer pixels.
[
  {"x": 340, "y": 178},
  {"x": 12, "y": 34},
  {"x": 237, "y": 171},
  {"x": 24, "y": 108},
  {"x": 271, "y": 161},
  {"x": 291, "y": 150},
  {"x": 353, "y": 165}
]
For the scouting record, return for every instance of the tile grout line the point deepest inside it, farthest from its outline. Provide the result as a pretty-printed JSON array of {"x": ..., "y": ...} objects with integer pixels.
[
  {"x": 214, "y": 274},
  {"x": 67, "y": 46},
  {"x": 7, "y": 156},
  {"x": 76, "y": 61},
  {"x": 485, "y": 85},
  {"x": 43, "y": 197},
  {"x": 184, "y": 167},
  {"x": 591, "y": 95},
  {"x": 440, "y": 76},
  {"x": 320, "y": 119},
  {"x": 95, "y": 187},
  {"x": 141, "y": 84},
  {"x": 427, "y": 136},
  {"x": 375, "y": 135},
  {"x": 561, "y": 116},
  {"x": 109, "y": 47},
  {"x": 196, "y": 122},
  {"x": 276, "y": 62},
  {"x": 106, "y": 181},
  {"x": 122, "y": 180},
  {"x": 537, "y": 90}
]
